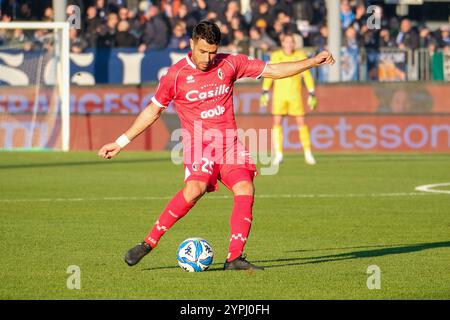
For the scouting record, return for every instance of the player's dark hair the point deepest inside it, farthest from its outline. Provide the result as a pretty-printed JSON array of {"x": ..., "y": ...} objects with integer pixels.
[{"x": 208, "y": 31}]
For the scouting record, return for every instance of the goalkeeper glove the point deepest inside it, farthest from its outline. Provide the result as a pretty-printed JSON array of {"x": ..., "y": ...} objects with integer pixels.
[
  {"x": 312, "y": 101},
  {"x": 264, "y": 100}
]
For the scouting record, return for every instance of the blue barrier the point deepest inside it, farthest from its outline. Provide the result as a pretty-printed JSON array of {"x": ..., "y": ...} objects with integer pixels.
[{"x": 94, "y": 66}]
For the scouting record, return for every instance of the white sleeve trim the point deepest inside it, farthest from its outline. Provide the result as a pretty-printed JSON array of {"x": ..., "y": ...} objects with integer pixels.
[
  {"x": 258, "y": 77},
  {"x": 158, "y": 103}
]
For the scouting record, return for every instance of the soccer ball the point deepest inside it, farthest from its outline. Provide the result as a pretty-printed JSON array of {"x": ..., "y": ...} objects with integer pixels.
[{"x": 195, "y": 255}]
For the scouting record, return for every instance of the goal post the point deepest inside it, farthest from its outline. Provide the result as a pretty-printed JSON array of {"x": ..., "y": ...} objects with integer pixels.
[{"x": 44, "y": 76}]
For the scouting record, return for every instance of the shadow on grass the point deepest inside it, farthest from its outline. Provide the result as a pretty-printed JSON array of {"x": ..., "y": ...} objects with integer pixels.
[
  {"x": 383, "y": 251},
  {"x": 353, "y": 247},
  {"x": 81, "y": 163},
  {"x": 214, "y": 267}
]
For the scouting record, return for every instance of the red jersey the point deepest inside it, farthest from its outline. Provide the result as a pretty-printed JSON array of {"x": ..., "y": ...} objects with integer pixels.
[{"x": 204, "y": 99}]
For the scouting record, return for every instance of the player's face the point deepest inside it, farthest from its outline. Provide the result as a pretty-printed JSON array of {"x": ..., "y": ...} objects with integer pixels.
[
  {"x": 203, "y": 53},
  {"x": 288, "y": 44}
]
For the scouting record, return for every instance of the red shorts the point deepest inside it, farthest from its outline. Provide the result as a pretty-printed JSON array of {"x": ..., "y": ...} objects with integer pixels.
[{"x": 229, "y": 173}]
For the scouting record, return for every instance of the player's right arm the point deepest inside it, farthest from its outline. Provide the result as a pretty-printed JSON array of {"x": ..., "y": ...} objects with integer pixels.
[
  {"x": 163, "y": 96},
  {"x": 145, "y": 119}
]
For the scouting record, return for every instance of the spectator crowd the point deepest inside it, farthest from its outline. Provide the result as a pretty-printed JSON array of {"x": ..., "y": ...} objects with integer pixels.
[{"x": 245, "y": 24}]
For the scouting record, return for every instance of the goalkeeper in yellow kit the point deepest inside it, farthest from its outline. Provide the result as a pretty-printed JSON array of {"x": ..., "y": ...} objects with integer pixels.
[{"x": 287, "y": 99}]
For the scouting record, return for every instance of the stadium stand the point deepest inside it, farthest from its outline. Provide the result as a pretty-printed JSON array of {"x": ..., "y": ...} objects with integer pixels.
[{"x": 250, "y": 27}]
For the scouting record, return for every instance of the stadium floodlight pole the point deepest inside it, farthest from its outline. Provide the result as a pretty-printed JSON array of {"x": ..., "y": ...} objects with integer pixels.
[
  {"x": 59, "y": 9},
  {"x": 334, "y": 38}
]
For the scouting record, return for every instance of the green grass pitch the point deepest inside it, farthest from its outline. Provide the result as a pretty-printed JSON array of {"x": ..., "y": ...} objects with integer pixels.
[{"x": 316, "y": 229}]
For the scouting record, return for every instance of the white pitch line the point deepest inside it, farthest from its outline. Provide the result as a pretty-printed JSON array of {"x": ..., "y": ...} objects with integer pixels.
[
  {"x": 430, "y": 187},
  {"x": 262, "y": 196}
]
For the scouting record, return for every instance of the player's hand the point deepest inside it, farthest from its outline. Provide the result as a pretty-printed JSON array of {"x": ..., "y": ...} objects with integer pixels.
[
  {"x": 312, "y": 101},
  {"x": 109, "y": 150},
  {"x": 264, "y": 100},
  {"x": 324, "y": 58}
]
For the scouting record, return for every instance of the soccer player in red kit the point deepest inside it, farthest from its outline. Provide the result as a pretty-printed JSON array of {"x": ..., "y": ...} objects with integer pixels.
[{"x": 201, "y": 88}]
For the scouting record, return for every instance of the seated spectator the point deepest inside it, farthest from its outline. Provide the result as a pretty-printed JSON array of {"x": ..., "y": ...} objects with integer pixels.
[
  {"x": 262, "y": 15},
  {"x": 43, "y": 40},
  {"x": 407, "y": 38},
  {"x": 188, "y": 18},
  {"x": 282, "y": 24},
  {"x": 444, "y": 36},
  {"x": 370, "y": 38},
  {"x": 19, "y": 40},
  {"x": 101, "y": 9},
  {"x": 261, "y": 41},
  {"x": 92, "y": 25},
  {"x": 197, "y": 8},
  {"x": 360, "y": 16},
  {"x": 156, "y": 32},
  {"x": 276, "y": 6},
  {"x": 170, "y": 7},
  {"x": 446, "y": 50},
  {"x": 236, "y": 23},
  {"x": 425, "y": 37},
  {"x": 115, "y": 5},
  {"x": 77, "y": 43},
  {"x": 347, "y": 15},
  {"x": 179, "y": 38},
  {"x": 233, "y": 12},
  {"x": 351, "y": 40},
  {"x": 240, "y": 43},
  {"x": 319, "y": 12},
  {"x": 226, "y": 34},
  {"x": 151, "y": 26},
  {"x": 5, "y": 34},
  {"x": 385, "y": 39},
  {"x": 25, "y": 13},
  {"x": 262, "y": 25},
  {"x": 48, "y": 15},
  {"x": 106, "y": 34},
  {"x": 124, "y": 38},
  {"x": 217, "y": 6},
  {"x": 123, "y": 13},
  {"x": 320, "y": 41},
  {"x": 213, "y": 16},
  {"x": 134, "y": 26},
  {"x": 92, "y": 20}
]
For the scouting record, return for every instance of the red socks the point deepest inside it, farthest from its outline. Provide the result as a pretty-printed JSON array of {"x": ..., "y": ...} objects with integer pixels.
[
  {"x": 175, "y": 210},
  {"x": 241, "y": 222}
]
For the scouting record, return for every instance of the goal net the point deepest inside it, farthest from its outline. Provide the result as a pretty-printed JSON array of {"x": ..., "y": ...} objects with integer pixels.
[{"x": 34, "y": 86}]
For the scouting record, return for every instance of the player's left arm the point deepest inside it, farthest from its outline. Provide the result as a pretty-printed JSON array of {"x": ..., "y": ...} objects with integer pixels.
[{"x": 288, "y": 69}]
